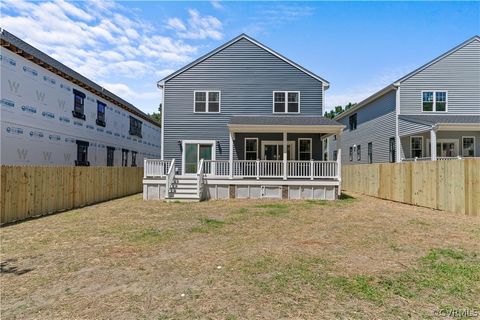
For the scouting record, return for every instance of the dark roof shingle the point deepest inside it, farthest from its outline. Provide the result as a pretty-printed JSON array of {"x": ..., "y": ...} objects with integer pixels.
[{"x": 286, "y": 120}]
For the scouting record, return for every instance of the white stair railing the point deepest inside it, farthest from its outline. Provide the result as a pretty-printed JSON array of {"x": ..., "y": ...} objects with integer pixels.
[
  {"x": 200, "y": 179},
  {"x": 169, "y": 178}
]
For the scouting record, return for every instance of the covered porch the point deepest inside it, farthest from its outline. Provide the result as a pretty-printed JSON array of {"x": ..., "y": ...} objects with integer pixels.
[
  {"x": 439, "y": 137},
  {"x": 268, "y": 156}
]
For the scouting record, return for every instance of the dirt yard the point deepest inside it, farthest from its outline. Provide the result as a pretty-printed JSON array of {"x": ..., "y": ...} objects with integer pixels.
[{"x": 359, "y": 258}]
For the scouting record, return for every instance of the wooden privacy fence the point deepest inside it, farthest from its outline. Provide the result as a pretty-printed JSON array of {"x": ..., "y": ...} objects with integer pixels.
[
  {"x": 445, "y": 185},
  {"x": 28, "y": 191}
]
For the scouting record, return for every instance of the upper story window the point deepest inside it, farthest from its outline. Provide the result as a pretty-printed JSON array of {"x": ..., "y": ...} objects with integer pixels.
[
  {"x": 135, "y": 127},
  {"x": 286, "y": 102},
  {"x": 434, "y": 101},
  {"x": 101, "y": 113},
  {"x": 78, "y": 104},
  {"x": 352, "y": 121},
  {"x": 206, "y": 101}
]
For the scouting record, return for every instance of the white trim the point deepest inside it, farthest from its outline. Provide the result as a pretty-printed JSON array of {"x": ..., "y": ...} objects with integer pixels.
[
  {"x": 162, "y": 129},
  {"x": 458, "y": 127},
  {"x": 311, "y": 147},
  {"x": 231, "y": 42},
  {"x": 291, "y": 143},
  {"x": 422, "y": 153},
  {"x": 184, "y": 142},
  {"x": 247, "y": 128},
  {"x": 474, "y": 151},
  {"x": 207, "y": 101},
  {"x": 434, "y": 91},
  {"x": 245, "y": 147},
  {"x": 398, "y": 143},
  {"x": 455, "y": 141},
  {"x": 286, "y": 102}
]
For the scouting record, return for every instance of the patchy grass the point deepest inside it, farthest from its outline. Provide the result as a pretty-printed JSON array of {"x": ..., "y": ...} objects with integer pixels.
[{"x": 240, "y": 259}]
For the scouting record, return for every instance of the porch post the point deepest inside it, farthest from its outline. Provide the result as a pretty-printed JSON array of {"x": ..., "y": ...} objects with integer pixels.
[
  {"x": 284, "y": 156},
  {"x": 339, "y": 161},
  {"x": 433, "y": 144},
  {"x": 230, "y": 155}
]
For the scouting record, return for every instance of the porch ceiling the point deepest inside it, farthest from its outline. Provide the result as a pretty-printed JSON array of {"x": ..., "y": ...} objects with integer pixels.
[{"x": 284, "y": 123}]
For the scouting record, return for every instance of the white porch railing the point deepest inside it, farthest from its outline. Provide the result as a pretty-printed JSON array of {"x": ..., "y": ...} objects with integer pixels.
[
  {"x": 271, "y": 169},
  {"x": 155, "y": 167},
  {"x": 429, "y": 159}
]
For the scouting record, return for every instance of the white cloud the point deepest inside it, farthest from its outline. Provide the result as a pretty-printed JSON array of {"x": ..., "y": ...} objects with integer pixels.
[
  {"x": 197, "y": 26},
  {"x": 217, "y": 4},
  {"x": 108, "y": 43}
]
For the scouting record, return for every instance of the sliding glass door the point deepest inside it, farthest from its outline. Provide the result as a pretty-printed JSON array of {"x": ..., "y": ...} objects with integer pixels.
[{"x": 193, "y": 153}]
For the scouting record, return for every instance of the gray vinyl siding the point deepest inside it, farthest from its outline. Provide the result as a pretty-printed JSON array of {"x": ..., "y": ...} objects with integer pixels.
[
  {"x": 408, "y": 128},
  {"x": 457, "y": 135},
  {"x": 246, "y": 75},
  {"x": 376, "y": 124},
  {"x": 458, "y": 73}
]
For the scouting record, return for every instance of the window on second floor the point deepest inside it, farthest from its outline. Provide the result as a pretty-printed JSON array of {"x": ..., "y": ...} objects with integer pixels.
[
  {"x": 352, "y": 121},
  {"x": 101, "y": 113},
  {"x": 434, "y": 101},
  {"x": 286, "y": 102},
  {"x": 135, "y": 127},
  {"x": 78, "y": 104},
  {"x": 206, "y": 101}
]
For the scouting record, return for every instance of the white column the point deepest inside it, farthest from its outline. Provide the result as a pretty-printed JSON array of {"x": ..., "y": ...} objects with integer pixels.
[
  {"x": 230, "y": 155},
  {"x": 433, "y": 144},
  {"x": 339, "y": 161},
  {"x": 284, "y": 156}
]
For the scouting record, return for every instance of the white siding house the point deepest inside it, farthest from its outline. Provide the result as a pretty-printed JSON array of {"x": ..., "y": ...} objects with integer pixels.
[{"x": 51, "y": 115}]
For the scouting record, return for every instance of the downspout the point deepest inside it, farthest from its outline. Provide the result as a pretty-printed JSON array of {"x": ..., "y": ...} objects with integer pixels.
[
  {"x": 398, "y": 145},
  {"x": 161, "y": 86}
]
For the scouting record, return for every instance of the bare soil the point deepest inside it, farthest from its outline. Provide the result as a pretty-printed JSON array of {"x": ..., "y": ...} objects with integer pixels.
[{"x": 359, "y": 257}]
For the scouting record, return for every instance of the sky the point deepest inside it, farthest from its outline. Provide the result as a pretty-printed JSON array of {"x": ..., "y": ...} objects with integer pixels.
[{"x": 127, "y": 46}]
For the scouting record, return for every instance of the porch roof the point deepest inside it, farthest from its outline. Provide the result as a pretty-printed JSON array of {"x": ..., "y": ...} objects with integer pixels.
[
  {"x": 283, "y": 123},
  {"x": 444, "y": 121}
]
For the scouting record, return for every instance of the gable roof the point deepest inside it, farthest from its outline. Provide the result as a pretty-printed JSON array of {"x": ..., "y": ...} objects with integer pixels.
[
  {"x": 20, "y": 47},
  {"x": 396, "y": 84},
  {"x": 255, "y": 42}
]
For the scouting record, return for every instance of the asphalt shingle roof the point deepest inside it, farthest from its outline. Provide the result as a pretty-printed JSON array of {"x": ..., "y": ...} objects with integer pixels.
[
  {"x": 431, "y": 119},
  {"x": 286, "y": 120}
]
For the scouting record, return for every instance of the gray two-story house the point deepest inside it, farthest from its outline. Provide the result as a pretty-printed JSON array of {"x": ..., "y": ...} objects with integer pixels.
[
  {"x": 243, "y": 121},
  {"x": 431, "y": 113}
]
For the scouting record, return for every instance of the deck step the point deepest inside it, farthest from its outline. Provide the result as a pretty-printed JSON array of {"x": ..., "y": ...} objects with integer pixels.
[{"x": 185, "y": 191}]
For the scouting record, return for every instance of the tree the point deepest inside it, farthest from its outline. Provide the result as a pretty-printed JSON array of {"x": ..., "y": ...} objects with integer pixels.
[
  {"x": 338, "y": 109},
  {"x": 156, "y": 116}
]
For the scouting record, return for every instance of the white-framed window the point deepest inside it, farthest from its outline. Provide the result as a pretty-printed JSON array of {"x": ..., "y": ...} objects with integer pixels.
[
  {"x": 206, "y": 101},
  {"x": 251, "y": 148},
  {"x": 416, "y": 147},
  {"x": 286, "y": 102},
  {"x": 468, "y": 146},
  {"x": 325, "y": 149},
  {"x": 434, "y": 101},
  {"x": 359, "y": 153},
  {"x": 304, "y": 149}
]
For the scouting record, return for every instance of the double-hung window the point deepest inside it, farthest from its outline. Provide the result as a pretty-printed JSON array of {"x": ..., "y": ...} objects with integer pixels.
[
  {"x": 135, "y": 127},
  {"x": 352, "y": 121},
  {"x": 370, "y": 152},
  {"x": 304, "y": 149},
  {"x": 286, "y": 102},
  {"x": 78, "y": 104},
  {"x": 206, "y": 101},
  {"x": 391, "y": 150},
  {"x": 434, "y": 101},
  {"x": 416, "y": 147},
  {"x": 251, "y": 148},
  {"x": 82, "y": 153},
  {"x": 101, "y": 113},
  {"x": 468, "y": 146}
]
